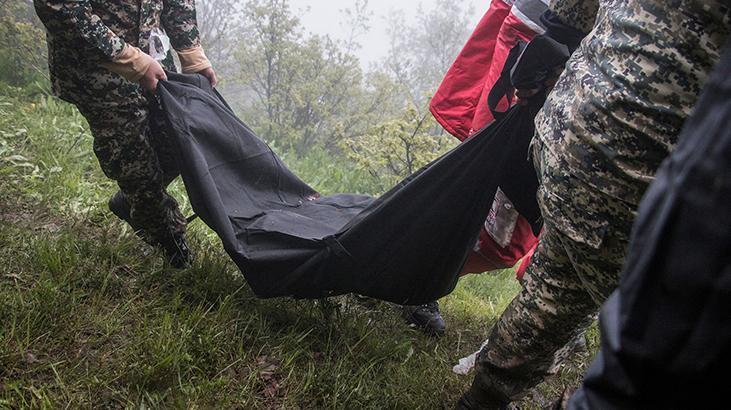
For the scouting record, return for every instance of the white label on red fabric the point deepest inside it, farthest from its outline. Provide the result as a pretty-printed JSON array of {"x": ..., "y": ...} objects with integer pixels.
[{"x": 501, "y": 221}]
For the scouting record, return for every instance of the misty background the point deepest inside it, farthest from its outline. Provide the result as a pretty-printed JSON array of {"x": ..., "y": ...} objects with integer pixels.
[
  {"x": 342, "y": 86},
  {"x": 325, "y": 17}
]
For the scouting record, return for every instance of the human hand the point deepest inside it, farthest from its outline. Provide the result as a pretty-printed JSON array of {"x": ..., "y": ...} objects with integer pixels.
[
  {"x": 152, "y": 76},
  {"x": 210, "y": 74}
]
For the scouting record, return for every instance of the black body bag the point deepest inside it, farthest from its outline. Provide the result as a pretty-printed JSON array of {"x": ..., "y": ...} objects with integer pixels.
[{"x": 407, "y": 247}]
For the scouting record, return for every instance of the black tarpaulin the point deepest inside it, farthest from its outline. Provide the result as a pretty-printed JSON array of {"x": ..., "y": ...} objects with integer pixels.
[{"x": 407, "y": 246}]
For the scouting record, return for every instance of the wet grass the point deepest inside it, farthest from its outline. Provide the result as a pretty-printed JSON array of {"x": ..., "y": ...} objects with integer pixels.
[{"x": 90, "y": 317}]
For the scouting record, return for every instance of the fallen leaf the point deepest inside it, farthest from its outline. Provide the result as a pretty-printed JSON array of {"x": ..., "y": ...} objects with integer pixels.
[
  {"x": 267, "y": 373},
  {"x": 13, "y": 276},
  {"x": 31, "y": 358}
]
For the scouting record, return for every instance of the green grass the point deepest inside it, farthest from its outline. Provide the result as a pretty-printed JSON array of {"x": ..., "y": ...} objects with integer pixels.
[{"x": 90, "y": 317}]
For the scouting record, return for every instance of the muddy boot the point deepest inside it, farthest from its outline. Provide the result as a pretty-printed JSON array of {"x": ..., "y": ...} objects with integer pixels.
[
  {"x": 426, "y": 317},
  {"x": 120, "y": 207},
  {"x": 177, "y": 252}
]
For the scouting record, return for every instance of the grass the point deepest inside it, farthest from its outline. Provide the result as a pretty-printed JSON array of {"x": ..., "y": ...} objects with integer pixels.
[{"x": 90, "y": 317}]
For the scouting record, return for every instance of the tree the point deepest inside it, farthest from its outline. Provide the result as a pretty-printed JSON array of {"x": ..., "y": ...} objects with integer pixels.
[
  {"x": 305, "y": 89},
  {"x": 396, "y": 148},
  {"x": 20, "y": 11},
  {"x": 220, "y": 23},
  {"x": 22, "y": 44},
  {"x": 420, "y": 54},
  {"x": 357, "y": 22},
  {"x": 267, "y": 69}
]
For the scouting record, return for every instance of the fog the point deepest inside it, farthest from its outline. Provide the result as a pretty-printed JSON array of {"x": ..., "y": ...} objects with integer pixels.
[{"x": 325, "y": 17}]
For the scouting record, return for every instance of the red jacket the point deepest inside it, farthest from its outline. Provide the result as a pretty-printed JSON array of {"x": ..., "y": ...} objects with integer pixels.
[{"x": 460, "y": 106}]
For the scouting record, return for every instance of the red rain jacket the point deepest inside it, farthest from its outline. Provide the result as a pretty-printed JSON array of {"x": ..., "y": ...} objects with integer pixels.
[{"x": 460, "y": 106}]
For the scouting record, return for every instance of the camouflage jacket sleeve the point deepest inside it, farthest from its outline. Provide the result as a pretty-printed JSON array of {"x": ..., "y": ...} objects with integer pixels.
[
  {"x": 75, "y": 17},
  {"x": 579, "y": 14},
  {"x": 179, "y": 21}
]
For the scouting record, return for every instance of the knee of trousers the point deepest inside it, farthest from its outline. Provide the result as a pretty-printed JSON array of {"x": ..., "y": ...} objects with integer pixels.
[
  {"x": 129, "y": 160},
  {"x": 122, "y": 146}
]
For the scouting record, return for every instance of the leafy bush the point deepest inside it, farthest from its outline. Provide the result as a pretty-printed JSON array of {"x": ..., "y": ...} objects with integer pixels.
[
  {"x": 396, "y": 148},
  {"x": 330, "y": 173},
  {"x": 22, "y": 46}
]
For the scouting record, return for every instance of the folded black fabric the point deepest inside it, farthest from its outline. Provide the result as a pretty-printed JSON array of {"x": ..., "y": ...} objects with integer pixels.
[{"x": 408, "y": 246}]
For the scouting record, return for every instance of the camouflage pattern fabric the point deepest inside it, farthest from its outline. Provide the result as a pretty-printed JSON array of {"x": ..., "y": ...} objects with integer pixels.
[
  {"x": 614, "y": 115},
  {"x": 141, "y": 161},
  {"x": 618, "y": 108},
  {"x": 562, "y": 289},
  {"x": 83, "y": 34}
]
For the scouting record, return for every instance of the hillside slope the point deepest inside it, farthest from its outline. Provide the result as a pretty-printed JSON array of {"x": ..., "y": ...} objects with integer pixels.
[{"x": 90, "y": 317}]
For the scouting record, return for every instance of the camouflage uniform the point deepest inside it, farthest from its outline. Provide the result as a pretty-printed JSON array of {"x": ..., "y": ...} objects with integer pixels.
[
  {"x": 614, "y": 115},
  {"x": 82, "y": 35}
]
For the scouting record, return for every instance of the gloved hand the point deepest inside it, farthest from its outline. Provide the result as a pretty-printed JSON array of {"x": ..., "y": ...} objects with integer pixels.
[
  {"x": 194, "y": 60},
  {"x": 152, "y": 76},
  {"x": 543, "y": 67},
  {"x": 538, "y": 67},
  {"x": 136, "y": 66}
]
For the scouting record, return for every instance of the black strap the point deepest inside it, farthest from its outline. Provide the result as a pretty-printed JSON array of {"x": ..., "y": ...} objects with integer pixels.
[
  {"x": 528, "y": 66},
  {"x": 503, "y": 87}
]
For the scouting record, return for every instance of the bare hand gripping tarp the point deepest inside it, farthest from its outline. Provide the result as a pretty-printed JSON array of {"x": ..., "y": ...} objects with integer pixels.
[{"x": 407, "y": 247}]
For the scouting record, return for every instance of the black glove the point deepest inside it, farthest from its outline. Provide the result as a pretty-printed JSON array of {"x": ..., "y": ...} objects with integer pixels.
[
  {"x": 561, "y": 32},
  {"x": 537, "y": 62}
]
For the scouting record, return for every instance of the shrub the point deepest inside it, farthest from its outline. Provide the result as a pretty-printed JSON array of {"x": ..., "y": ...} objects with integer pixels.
[{"x": 22, "y": 47}]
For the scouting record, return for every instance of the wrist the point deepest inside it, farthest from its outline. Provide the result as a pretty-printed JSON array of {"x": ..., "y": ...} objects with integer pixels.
[
  {"x": 131, "y": 63},
  {"x": 193, "y": 59}
]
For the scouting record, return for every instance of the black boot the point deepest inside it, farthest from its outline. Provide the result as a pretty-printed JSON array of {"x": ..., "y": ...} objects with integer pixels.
[
  {"x": 177, "y": 252},
  {"x": 474, "y": 400},
  {"x": 120, "y": 207},
  {"x": 426, "y": 317},
  {"x": 176, "y": 249}
]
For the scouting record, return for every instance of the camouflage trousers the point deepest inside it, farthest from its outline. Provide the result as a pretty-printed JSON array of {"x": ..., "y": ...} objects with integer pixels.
[
  {"x": 139, "y": 160},
  {"x": 569, "y": 278}
]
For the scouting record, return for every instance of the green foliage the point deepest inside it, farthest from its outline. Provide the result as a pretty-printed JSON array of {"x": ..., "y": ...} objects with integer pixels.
[
  {"x": 220, "y": 25},
  {"x": 332, "y": 174},
  {"x": 22, "y": 46},
  {"x": 422, "y": 51},
  {"x": 397, "y": 148},
  {"x": 305, "y": 90},
  {"x": 45, "y": 146},
  {"x": 89, "y": 317}
]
